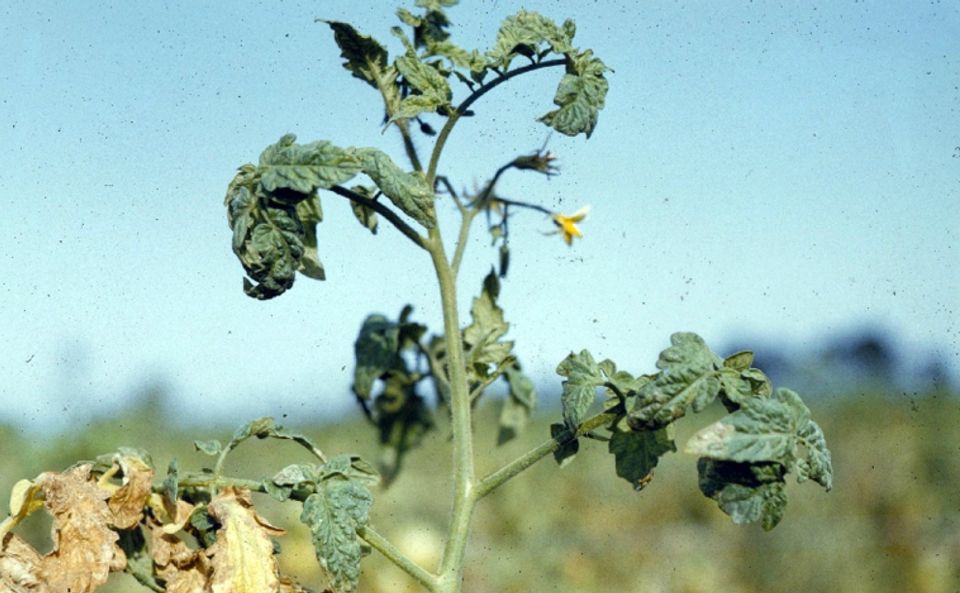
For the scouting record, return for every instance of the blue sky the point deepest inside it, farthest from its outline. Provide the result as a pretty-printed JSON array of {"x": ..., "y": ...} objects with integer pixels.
[{"x": 760, "y": 168}]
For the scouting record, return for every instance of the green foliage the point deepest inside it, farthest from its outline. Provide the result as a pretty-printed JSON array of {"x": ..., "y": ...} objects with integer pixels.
[
  {"x": 334, "y": 513},
  {"x": 744, "y": 457}
]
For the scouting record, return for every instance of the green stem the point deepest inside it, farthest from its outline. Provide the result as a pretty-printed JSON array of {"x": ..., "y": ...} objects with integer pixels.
[
  {"x": 465, "y": 106},
  {"x": 467, "y": 219},
  {"x": 451, "y": 565},
  {"x": 391, "y": 553},
  {"x": 502, "y": 475}
]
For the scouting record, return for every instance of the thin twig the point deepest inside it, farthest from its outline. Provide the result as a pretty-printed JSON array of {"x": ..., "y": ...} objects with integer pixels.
[{"x": 381, "y": 209}]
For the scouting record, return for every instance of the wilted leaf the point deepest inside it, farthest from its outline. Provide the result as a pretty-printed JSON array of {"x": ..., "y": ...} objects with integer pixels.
[
  {"x": 580, "y": 96},
  {"x": 638, "y": 452},
  {"x": 525, "y": 33},
  {"x": 583, "y": 376},
  {"x": 408, "y": 191},
  {"x": 242, "y": 559},
  {"x": 128, "y": 501},
  {"x": 366, "y": 216},
  {"x": 403, "y": 418},
  {"x": 688, "y": 378},
  {"x": 333, "y": 515},
  {"x": 84, "y": 547},
  {"x": 747, "y": 492},
  {"x": 568, "y": 450},
  {"x": 211, "y": 447},
  {"x": 310, "y": 215},
  {"x": 304, "y": 168},
  {"x": 25, "y": 498},
  {"x": 376, "y": 350},
  {"x": 20, "y": 566}
]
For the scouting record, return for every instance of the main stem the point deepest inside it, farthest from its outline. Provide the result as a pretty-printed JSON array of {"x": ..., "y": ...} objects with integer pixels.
[{"x": 464, "y": 486}]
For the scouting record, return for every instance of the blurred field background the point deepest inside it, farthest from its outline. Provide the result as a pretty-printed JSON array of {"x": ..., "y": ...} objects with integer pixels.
[{"x": 891, "y": 523}]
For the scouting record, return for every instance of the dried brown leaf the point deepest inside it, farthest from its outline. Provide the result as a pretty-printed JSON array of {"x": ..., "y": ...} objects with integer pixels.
[
  {"x": 19, "y": 566},
  {"x": 84, "y": 547},
  {"x": 242, "y": 557},
  {"x": 128, "y": 501}
]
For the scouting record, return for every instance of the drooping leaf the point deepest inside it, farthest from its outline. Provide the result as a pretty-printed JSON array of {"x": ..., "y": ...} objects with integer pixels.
[
  {"x": 583, "y": 376},
  {"x": 376, "y": 350},
  {"x": 366, "y": 216},
  {"x": 518, "y": 406},
  {"x": 687, "y": 378},
  {"x": 305, "y": 168},
  {"x": 364, "y": 55},
  {"x": 403, "y": 418},
  {"x": 424, "y": 78},
  {"x": 776, "y": 429},
  {"x": 580, "y": 96},
  {"x": 408, "y": 191},
  {"x": 567, "y": 450},
  {"x": 748, "y": 492},
  {"x": 638, "y": 452},
  {"x": 127, "y": 502},
  {"x": 85, "y": 549},
  {"x": 310, "y": 215},
  {"x": 333, "y": 514},
  {"x": 242, "y": 558}
]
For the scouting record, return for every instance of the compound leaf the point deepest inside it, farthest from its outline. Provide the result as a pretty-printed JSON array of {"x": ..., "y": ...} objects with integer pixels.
[
  {"x": 333, "y": 514},
  {"x": 583, "y": 376}
]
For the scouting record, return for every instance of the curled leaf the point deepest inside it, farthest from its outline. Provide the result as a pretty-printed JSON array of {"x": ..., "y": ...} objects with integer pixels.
[{"x": 242, "y": 559}]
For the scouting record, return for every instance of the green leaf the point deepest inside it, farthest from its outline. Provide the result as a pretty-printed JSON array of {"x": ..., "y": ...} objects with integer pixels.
[
  {"x": 747, "y": 492},
  {"x": 776, "y": 429},
  {"x": 567, "y": 451},
  {"x": 638, "y": 452},
  {"x": 436, "y": 5},
  {"x": 408, "y": 191},
  {"x": 366, "y": 216},
  {"x": 333, "y": 514},
  {"x": 304, "y": 168},
  {"x": 481, "y": 339},
  {"x": 525, "y": 33},
  {"x": 376, "y": 350},
  {"x": 580, "y": 96},
  {"x": 298, "y": 476},
  {"x": 171, "y": 484},
  {"x": 740, "y": 361},
  {"x": 688, "y": 378},
  {"x": 583, "y": 376},
  {"x": 458, "y": 56},
  {"x": 212, "y": 447},
  {"x": 352, "y": 467},
  {"x": 310, "y": 215},
  {"x": 519, "y": 404},
  {"x": 267, "y": 235},
  {"x": 364, "y": 55},
  {"x": 424, "y": 78}
]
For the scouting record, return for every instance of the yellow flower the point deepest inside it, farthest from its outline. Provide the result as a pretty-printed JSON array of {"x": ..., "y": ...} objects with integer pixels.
[{"x": 567, "y": 226}]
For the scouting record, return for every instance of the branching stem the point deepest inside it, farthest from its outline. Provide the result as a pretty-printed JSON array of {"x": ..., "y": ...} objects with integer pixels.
[{"x": 499, "y": 477}]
